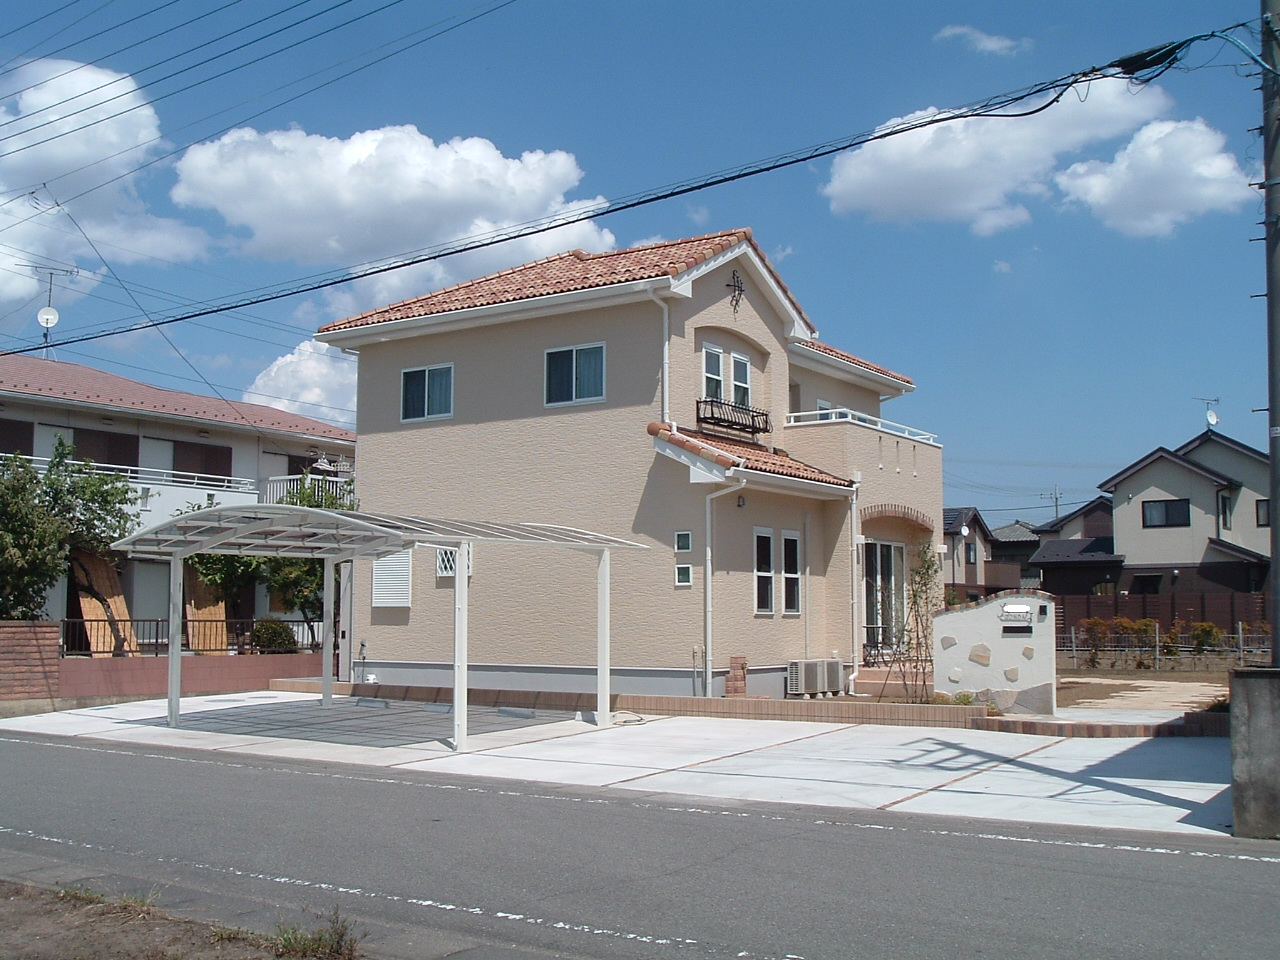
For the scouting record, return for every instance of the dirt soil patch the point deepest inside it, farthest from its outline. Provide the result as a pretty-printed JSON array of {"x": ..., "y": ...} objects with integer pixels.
[
  {"x": 1132, "y": 692},
  {"x": 38, "y": 924}
]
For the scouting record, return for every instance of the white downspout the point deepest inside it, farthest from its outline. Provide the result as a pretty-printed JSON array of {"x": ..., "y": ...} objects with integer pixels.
[
  {"x": 666, "y": 355},
  {"x": 706, "y": 589},
  {"x": 804, "y": 590},
  {"x": 854, "y": 542}
]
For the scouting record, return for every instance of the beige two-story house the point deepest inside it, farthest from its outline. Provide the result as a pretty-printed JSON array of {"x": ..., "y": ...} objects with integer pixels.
[
  {"x": 1193, "y": 519},
  {"x": 675, "y": 395}
]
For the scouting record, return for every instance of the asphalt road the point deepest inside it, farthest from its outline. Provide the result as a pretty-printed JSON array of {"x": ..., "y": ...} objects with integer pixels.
[{"x": 434, "y": 866}]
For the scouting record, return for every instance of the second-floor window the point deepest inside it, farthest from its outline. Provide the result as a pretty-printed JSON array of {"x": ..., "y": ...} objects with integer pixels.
[
  {"x": 1262, "y": 512},
  {"x": 970, "y": 553},
  {"x": 426, "y": 393},
  {"x": 575, "y": 374},
  {"x": 714, "y": 375},
  {"x": 1166, "y": 513},
  {"x": 1224, "y": 510}
]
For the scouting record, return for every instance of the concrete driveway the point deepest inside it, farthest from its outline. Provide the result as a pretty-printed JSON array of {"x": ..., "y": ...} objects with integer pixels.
[{"x": 1178, "y": 784}]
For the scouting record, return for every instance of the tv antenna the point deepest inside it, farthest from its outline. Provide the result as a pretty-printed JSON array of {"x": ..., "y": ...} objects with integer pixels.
[
  {"x": 1210, "y": 414},
  {"x": 47, "y": 316}
]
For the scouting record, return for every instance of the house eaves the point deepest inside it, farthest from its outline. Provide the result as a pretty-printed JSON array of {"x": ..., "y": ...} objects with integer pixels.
[
  {"x": 1163, "y": 453},
  {"x": 1056, "y": 524},
  {"x": 1237, "y": 552},
  {"x": 1210, "y": 435},
  {"x": 555, "y": 304},
  {"x": 887, "y": 385}
]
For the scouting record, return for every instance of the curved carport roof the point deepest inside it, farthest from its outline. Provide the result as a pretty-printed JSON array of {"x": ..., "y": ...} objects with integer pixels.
[{"x": 334, "y": 536}]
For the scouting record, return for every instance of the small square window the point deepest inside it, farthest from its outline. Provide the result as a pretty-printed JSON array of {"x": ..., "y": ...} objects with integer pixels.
[
  {"x": 684, "y": 541},
  {"x": 575, "y": 375},
  {"x": 684, "y": 574},
  {"x": 426, "y": 393}
]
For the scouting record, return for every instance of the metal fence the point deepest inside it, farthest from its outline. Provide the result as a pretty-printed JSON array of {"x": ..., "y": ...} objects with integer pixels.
[
  {"x": 1156, "y": 650},
  {"x": 150, "y": 638}
]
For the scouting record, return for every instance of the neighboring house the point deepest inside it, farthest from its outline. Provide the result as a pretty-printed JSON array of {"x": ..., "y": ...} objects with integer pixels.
[
  {"x": 675, "y": 395},
  {"x": 1190, "y": 520},
  {"x": 1017, "y": 543},
  {"x": 970, "y": 571},
  {"x": 1077, "y": 553},
  {"x": 1093, "y": 519},
  {"x": 176, "y": 449},
  {"x": 1193, "y": 519}
]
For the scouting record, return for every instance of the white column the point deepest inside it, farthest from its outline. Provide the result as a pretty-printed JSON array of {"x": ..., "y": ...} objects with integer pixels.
[
  {"x": 175, "y": 636},
  {"x": 462, "y": 564},
  {"x": 604, "y": 715},
  {"x": 326, "y": 637},
  {"x": 346, "y": 635}
]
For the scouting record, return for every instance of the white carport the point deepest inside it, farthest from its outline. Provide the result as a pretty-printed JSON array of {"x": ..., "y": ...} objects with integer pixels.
[{"x": 335, "y": 536}]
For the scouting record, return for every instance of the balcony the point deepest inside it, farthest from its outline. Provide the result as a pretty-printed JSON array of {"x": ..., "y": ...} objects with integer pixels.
[
  {"x": 730, "y": 416},
  {"x": 152, "y": 475},
  {"x": 275, "y": 489},
  {"x": 844, "y": 415}
]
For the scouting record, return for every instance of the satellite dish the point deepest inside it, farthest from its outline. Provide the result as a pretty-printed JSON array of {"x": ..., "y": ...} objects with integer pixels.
[
  {"x": 1212, "y": 417},
  {"x": 964, "y": 530},
  {"x": 47, "y": 317}
]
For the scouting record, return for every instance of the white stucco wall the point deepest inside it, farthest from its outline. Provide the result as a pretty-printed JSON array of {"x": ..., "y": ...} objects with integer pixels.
[{"x": 999, "y": 649}]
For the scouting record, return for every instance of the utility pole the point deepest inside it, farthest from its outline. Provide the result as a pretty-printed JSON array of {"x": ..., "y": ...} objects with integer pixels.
[
  {"x": 1271, "y": 192},
  {"x": 1056, "y": 496}
]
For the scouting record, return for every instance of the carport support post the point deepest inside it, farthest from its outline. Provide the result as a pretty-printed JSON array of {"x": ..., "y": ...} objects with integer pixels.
[
  {"x": 604, "y": 716},
  {"x": 326, "y": 637},
  {"x": 462, "y": 565},
  {"x": 175, "y": 636}
]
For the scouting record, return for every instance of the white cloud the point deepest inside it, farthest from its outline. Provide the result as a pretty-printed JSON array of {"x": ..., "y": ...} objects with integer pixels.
[
  {"x": 978, "y": 171},
  {"x": 113, "y": 216},
  {"x": 378, "y": 193},
  {"x": 314, "y": 380},
  {"x": 980, "y": 42},
  {"x": 699, "y": 214},
  {"x": 1169, "y": 173},
  {"x": 1002, "y": 266}
]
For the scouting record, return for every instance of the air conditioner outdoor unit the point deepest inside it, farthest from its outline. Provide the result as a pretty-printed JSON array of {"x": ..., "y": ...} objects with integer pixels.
[{"x": 814, "y": 677}]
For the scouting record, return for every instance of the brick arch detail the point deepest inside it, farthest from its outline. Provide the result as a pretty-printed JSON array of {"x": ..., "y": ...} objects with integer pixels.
[{"x": 898, "y": 511}]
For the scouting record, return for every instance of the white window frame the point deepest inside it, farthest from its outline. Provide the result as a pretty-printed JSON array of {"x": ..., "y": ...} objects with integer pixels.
[
  {"x": 687, "y": 536},
  {"x": 762, "y": 577},
  {"x": 824, "y": 410},
  {"x": 393, "y": 580},
  {"x": 885, "y": 596},
  {"x": 684, "y": 575},
  {"x": 426, "y": 393},
  {"x": 447, "y": 562},
  {"x": 734, "y": 359},
  {"x": 709, "y": 351},
  {"x": 576, "y": 349},
  {"x": 792, "y": 577}
]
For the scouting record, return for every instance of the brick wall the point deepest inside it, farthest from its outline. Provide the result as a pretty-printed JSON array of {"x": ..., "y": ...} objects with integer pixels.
[{"x": 28, "y": 660}]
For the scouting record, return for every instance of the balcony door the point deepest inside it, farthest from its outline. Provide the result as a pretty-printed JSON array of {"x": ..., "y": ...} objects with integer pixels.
[{"x": 884, "y": 572}]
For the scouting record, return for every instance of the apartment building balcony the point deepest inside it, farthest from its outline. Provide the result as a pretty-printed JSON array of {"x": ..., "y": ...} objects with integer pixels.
[
  {"x": 275, "y": 489},
  {"x": 843, "y": 415}
]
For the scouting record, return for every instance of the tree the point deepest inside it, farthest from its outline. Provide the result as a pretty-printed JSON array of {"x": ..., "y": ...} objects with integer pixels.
[
  {"x": 913, "y": 646},
  {"x": 47, "y": 519},
  {"x": 298, "y": 583},
  {"x": 32, "y": 542}
]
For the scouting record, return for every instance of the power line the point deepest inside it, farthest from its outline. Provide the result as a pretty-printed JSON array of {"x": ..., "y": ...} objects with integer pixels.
[{"x": 1139, "y": 68}]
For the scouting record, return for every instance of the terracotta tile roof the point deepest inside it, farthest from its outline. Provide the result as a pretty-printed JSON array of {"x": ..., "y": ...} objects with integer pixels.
[
  {"x": 837, "y": 354},
  {"x": 57, "y": 380},
  {"x": 567, "y": 273},
  {"x": 750, "y": 456}
]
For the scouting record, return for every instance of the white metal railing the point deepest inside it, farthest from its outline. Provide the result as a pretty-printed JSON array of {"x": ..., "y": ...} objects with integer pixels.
[
  {"x": 845, "y": 415},
  {"x": 276, "y": 488},
  {"x": 154, "y": 475}
]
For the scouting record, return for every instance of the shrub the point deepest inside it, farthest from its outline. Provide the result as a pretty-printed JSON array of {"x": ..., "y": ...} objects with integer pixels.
[
  {"x": 271, "y": 635},
  {"x": 1206, "y": 636},
  {"x": 964, "y": 699}
]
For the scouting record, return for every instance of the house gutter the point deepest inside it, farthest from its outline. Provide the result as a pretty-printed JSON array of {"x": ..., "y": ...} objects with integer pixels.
[
  {"x": 706, "y": 588},
  {"x": 666, "y": 354}
]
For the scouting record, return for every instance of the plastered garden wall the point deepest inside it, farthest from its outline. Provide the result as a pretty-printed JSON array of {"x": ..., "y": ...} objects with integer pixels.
[{"x": 999, "y": 649}]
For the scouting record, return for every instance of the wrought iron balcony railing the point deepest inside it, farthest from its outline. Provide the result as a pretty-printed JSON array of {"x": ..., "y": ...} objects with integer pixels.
[{"x": 732, "y": 416}]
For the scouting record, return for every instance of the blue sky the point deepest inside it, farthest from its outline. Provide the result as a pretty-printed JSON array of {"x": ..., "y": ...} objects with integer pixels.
[{"x": 1059, "y": 287}]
